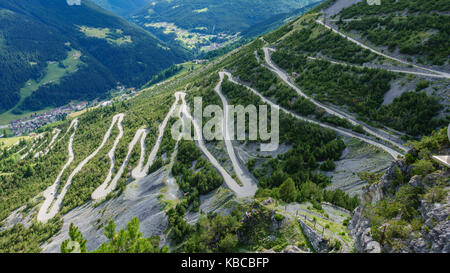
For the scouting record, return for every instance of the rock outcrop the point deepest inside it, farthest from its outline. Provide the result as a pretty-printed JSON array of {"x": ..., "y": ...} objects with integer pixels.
[
  {"x": 434, "y": 235},
  {"x": 292, "y": 249},
  {"x": 317, "y": 241},
  {"x": 360, "y": 230}
]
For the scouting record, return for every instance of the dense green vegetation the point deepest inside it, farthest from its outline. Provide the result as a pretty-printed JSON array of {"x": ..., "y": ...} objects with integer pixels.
[
  {"x": 121, "y": 7},
  {"x": 112, "y": 51},
  {"x": 31, "y": 176},
  {"x": 412, "y": 113},
  {"x": 313, "y": 39},
  {"x": 217, "y": 16},
  {"x": 262, "y": 222},
  {"x": 223, "y": 50},
  {"x": 21, "y": 239},
  {"x": 249, "y": 71},
  {"x": 197, "y": 24},
  {"x": 362, "y": 91},
  {"x": 393, "y": 6},
  {"x": 277, "y": 34},
  {"x": 233, "y": 232},
  {"x": 196, "y": 181},
  {"x": 165, "y": 74},
  {"x": 213, "y": 233},
  {"x": 422, "y": 31},
  {"x": 128, "y": 240},
  {"x": 311, "y": 144},
  {"x": 296, "y": 175}
]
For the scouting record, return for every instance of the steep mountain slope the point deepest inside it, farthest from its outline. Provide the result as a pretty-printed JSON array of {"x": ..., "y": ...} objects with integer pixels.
[
  {"x": 53, "y": 53},
  {"x": 377, "y": 88},
  {"x": 407, "y": 209},
  {"x": 335, "y": 145},
  {"x": 417, "y": 31},
  {"x": 205, "y": 25}
]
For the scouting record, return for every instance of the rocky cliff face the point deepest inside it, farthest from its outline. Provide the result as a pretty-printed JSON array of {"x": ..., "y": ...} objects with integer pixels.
[
  {"x": 319, "y": 243},
  {"x": 360, "y": 230},
  {"x": 434, "y": 234},
  {"x": 359, "y": 225}
]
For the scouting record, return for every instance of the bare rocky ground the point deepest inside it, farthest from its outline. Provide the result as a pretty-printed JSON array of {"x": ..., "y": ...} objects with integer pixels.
[
  {"x": 140, "y": 199},
  {"x": 219, "y": 201},
  {"x": 338, "y": 6},
  {"x": 18, "y": 216},
  {"x": 357, "y": 157}
]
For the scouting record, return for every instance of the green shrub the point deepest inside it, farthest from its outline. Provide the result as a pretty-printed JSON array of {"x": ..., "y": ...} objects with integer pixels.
[{"x": 279, "y": 217}]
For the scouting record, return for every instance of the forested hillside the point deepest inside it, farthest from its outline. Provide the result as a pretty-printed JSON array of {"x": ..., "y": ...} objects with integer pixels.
[
  {"x": 340, "y": 72},
  {"x": 418, "y": 28},
  {"x": 122, "y": 7},
  {"x": 353, "y": 167},
  {"x": 201, "y": 25},
  {"x": 83, "y": 51}
]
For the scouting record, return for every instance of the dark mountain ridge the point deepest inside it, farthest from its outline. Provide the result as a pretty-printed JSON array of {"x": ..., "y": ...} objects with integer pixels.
[{"x": 109, "y": 50}]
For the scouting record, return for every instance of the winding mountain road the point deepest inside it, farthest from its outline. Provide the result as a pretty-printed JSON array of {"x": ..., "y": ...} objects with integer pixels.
[
  {"x": 29, "y": 151},
  {"x": 229, "y": 181},
  {"x": 249, "y": 185},
  {"x": 56, "y": 133},
  {"x": 285, "y": 77},
  {"x": 52, "y": 202},
  {"x": 440, "y": 73},
  {"x": 387, "y": 149},
  {"x": 103, "y": 190},
  {"x": 106, "y": 187},
  {"x": 388, "y": 69},
  {"x": 49, "y": 193},
  {"x": 141, "y": 171}
]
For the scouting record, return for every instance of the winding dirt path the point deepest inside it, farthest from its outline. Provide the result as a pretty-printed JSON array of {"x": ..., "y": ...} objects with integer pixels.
[
  {"x": 231, "y": 183},
  {"x": 284, "y": 77},
  {"x": 52, "y": 202},
  {"x": 384, "y": 68},
  {"x": 141, "y": 171},
  {"x": 105, "y": 188},
  {"x": 50, "y": 192},
  {"x": 389, "y": 150},
  {"x": 56, "y": 133},
  {"x": 33, "y": 146},
  {"x": 249, "y": 185}
]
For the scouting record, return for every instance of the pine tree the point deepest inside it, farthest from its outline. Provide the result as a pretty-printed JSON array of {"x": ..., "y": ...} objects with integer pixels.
[{"x": 288, "y": 192}]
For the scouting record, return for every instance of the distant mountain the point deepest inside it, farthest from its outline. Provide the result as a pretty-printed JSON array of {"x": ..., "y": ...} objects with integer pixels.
[
  {"x": 52, "y": 53},
  {"x": 122, "y": 7},
  {"x": 208, "y": 24}
]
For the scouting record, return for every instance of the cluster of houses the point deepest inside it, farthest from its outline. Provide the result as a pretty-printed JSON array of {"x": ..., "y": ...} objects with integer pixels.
[
  {"x": 35, "y": 121},
  {"x": 24, "y": 126}
]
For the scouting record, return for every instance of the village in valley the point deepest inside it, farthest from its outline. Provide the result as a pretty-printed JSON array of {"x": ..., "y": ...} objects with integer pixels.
[{"x": 35, "y": 121}]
